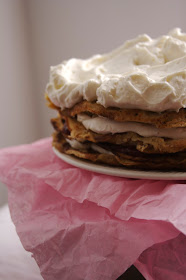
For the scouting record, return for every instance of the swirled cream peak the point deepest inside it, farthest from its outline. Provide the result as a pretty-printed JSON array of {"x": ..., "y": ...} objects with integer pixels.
[{"x": 143, "y": 73}]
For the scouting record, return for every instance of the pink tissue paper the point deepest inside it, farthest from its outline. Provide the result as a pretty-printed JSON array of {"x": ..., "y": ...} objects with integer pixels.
[{"x": 86, "y": 226}]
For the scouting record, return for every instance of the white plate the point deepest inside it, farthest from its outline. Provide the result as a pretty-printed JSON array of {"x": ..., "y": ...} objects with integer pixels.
[{"x": 120, "y": 171}]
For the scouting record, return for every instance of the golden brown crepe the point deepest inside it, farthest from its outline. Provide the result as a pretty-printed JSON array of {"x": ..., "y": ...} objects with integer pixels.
[
  {"x": 124, "y": 149},
  {"x": 130, "y": 158},
  {"x": 144, "y": 144}
]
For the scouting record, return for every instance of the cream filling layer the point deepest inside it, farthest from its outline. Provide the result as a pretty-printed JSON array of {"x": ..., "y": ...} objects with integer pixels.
[
  {"x": 84, "y": 147},
  {"x": 103, "y": 125}
]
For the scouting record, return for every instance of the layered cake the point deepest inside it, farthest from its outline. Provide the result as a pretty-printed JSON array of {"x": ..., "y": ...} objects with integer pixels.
[{"x": 124, "y": 108}]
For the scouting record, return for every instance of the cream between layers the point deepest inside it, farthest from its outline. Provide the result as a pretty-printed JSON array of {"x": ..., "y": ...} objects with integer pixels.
[
  {"x": 84, "y": 147},
  {"x": 143, "y": 73},
  {"x": 103, "y": 125}
]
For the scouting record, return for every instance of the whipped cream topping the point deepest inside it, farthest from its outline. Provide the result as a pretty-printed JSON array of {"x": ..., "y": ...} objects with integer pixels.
[
  {"x": 143, "y": 73},
  {"x": 103, "y": 125}
]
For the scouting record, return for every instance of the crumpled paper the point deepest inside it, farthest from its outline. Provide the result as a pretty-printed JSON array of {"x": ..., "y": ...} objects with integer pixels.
[
  {"x": 87, "y": 226},
  {"x": 165, "y": 260}
]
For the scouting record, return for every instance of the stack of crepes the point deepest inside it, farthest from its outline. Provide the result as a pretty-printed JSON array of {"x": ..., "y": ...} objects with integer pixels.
[{"x": 124, "y": 108}]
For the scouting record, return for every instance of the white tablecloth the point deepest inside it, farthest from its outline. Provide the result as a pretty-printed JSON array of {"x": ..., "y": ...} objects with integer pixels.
[{"x": 15, "y": 262}]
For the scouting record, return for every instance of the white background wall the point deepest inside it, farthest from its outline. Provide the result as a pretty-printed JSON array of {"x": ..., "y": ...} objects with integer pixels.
[{"x": 35, "y": 34}]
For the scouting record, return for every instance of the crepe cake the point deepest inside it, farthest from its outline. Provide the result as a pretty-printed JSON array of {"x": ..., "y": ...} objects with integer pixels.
[{"x": 124, "y": 108}]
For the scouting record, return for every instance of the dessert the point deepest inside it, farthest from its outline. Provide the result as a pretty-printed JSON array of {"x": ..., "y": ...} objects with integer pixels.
[{"x": 125, "y": 108}]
